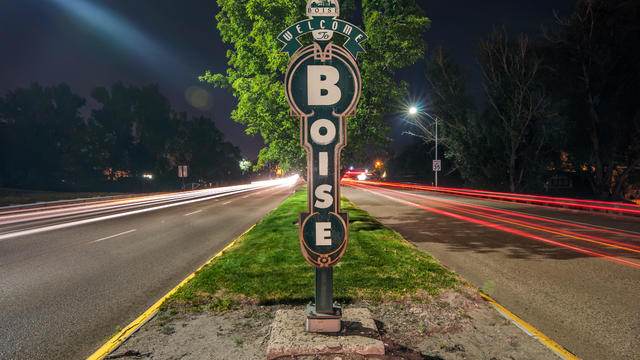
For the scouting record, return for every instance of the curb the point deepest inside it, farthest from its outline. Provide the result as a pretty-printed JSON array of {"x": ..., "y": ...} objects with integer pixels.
[
  {"x": 130, "y": 329},
  {"x": 530, "y": 330},
  {"x": 523, "y": 325}
]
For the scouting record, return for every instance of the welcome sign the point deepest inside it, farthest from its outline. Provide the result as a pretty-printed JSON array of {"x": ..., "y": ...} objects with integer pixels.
[{"x": 322, "y": 86}]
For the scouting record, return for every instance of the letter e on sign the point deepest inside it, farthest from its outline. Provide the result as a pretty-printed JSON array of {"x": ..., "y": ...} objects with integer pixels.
[
  {"x": 323, "y": 234},
  {"x": 319, "y": 78}
]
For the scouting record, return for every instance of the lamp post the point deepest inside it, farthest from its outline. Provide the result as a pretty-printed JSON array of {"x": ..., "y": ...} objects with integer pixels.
[
  {"x": 413, "y": 110},
  {"x": 436, "y": 169}
]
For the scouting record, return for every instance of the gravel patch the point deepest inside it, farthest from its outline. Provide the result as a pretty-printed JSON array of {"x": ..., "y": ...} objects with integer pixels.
[{"x": 452, "y": 325}]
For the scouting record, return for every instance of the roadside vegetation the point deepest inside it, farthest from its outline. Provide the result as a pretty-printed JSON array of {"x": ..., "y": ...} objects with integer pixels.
[{"x": 266, "y": 265}]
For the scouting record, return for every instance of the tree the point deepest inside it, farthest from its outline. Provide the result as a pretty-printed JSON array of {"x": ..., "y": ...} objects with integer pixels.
[
  {"x": 256, "y": 70},
  {"x": 600, "y": 70},
  {"x": 464, "y": 140},
  {"x": 519, "y": 106},
  {"x": 43, "y": 138},
  {"x": 395, "y": 31},
  {"x": 203, "y": 147},
  {"x": 132, "y": 129}
]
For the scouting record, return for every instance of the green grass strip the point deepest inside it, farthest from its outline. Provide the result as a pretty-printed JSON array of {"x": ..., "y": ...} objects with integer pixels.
[{"x": 267, "y": 264}]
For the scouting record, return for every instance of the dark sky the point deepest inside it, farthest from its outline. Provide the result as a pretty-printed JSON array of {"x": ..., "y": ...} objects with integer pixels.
[{"x": 89, "y": 43}]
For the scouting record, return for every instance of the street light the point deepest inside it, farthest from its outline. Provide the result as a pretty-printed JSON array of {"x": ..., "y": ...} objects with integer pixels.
[{"x": 413, "y": 110}]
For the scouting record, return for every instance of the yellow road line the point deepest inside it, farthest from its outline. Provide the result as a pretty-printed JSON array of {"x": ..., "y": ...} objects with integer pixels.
[
  {"x": 557, "y": 348},
  {"x": 121, "y": 336}
]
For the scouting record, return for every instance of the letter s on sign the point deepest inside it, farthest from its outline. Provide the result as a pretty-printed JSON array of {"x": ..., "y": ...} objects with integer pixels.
[{"x": 323, "y": 195}]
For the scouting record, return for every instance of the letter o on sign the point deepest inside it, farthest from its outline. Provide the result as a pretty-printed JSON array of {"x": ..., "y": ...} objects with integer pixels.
[{"x": 328, "y": 137}]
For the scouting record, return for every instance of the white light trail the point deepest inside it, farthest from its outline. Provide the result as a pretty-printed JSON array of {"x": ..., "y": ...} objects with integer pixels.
[{"x": 182, "y": 198}]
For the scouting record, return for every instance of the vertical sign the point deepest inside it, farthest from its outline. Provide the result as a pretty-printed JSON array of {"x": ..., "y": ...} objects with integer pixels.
[
  {"x": 182, "y": 171},
  {"x": 322, "y": 86},
  {"x": 437, "y": 165}
]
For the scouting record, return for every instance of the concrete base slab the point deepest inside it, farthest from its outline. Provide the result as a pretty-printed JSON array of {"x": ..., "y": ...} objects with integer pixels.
[{"x": 359, "y": 335}]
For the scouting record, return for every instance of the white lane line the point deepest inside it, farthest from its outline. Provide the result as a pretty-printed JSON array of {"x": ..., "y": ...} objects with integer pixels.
[
  {"x": 112, "y": 236},
  {"x": 225, "y": 203},
  {"x": 107, "y": 217},
  {"x": 246, "y": 196},
  {"x": 191, "y": 213}
]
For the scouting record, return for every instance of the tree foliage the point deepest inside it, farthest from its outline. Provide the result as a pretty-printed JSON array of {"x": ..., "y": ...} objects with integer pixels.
[
  {"x": 598, "y": 65},
  {"x": 40, "y": 136},
  {"x": 133, "y": 127},
  {"x": 461, "y": 133},
  {"x": 46, "y": 143},
  {"x": 566, "y": 104},
  {"x": 201, "y": 145},
  {"x": 511, "y": 143},
  {"x": 256, "y": 70},
  {"x": 520, "y": 113}
]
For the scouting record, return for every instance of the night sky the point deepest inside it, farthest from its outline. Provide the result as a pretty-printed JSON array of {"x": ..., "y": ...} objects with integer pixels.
[{"x": 89, "y": 43}]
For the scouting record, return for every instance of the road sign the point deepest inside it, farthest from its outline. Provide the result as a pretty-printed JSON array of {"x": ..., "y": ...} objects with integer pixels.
[
  {"x": 182, "y": 171},
  {"x": 322, "y": 86},
  {"x": 437, "y": 165}
]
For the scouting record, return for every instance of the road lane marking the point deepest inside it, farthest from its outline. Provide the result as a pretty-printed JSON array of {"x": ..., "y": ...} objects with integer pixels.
[
  {"x": 191, "y": 213},
  {"x": 567, "y": 233},
  {"x": 225, "y": 203},
  {"x": 10, "y": 235},
  {"x": 502, "y": 228},
  {"x": 128, "y": 330},
  {"x": 112, "y": 236},
  {"x": 530, "y": 330}
]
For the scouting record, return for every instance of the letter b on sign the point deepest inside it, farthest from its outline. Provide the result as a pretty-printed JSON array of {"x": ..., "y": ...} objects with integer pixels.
[{"x": 321, "y": 85}]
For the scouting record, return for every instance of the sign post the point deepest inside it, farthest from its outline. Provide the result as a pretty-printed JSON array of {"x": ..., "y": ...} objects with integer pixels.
[
  {"x": 322, "y": 86},
  {"x": 182, "y": 173}
]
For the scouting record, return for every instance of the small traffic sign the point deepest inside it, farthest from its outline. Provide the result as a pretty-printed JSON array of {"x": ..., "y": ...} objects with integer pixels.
[
  {"x": 437, "y": 165},
  {"x": 182, "y": 171}
]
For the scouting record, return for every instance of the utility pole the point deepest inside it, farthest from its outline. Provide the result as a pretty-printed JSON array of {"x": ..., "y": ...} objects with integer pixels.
[{"x": 436, "y": 170}]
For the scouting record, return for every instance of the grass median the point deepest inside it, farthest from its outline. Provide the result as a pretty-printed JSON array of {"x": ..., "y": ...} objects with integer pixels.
[{"x": 266, "y": 265}]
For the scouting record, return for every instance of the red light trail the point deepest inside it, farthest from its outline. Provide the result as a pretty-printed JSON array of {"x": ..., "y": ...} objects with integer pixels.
[
  {"x": 622, "y": 208},
  {"x": 603, "y": 246}
]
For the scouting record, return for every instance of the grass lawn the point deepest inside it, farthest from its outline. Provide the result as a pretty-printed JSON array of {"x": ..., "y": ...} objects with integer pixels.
[
  {"x": 266, "y": 264},
  {"x": 17, "y": 196}
]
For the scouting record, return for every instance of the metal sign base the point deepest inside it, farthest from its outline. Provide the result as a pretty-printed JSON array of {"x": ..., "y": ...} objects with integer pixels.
[{"x": 324, "y": 323}]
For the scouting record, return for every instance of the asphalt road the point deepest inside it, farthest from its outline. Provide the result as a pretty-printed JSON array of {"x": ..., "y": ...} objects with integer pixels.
[
  {"x": 573, "y": 275},
  {"x": 64, "y": 289}
]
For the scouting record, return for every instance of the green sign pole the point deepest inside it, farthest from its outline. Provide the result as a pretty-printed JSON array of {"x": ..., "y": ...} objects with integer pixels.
[{"x": 322, "y": 85}]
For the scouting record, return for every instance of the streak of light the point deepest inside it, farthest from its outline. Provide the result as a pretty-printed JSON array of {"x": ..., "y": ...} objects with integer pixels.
[
  {"x": 123, "y": 33},
  {"x": 631, "y": 209},
  {"x": 41, "y": 213},
  {"x": 502, "y": 228},
  {"x": 604, "y": 229},
  {"x": 112, "y": 236},
  {"x": 202, "y": 195},
  {"x": 529, "y": 224}
]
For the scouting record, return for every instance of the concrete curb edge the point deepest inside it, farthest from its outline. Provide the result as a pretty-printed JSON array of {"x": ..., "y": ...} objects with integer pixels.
[
  {"x": 130, "y": 329},
  {"x": 529, "y": 329}
]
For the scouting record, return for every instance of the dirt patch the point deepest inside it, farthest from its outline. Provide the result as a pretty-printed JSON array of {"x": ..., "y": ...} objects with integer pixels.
[{"x": 453, "y": 325}]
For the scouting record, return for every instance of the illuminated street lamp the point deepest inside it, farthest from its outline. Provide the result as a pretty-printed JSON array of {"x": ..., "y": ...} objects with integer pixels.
[{"x": 413, "y": 110}]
